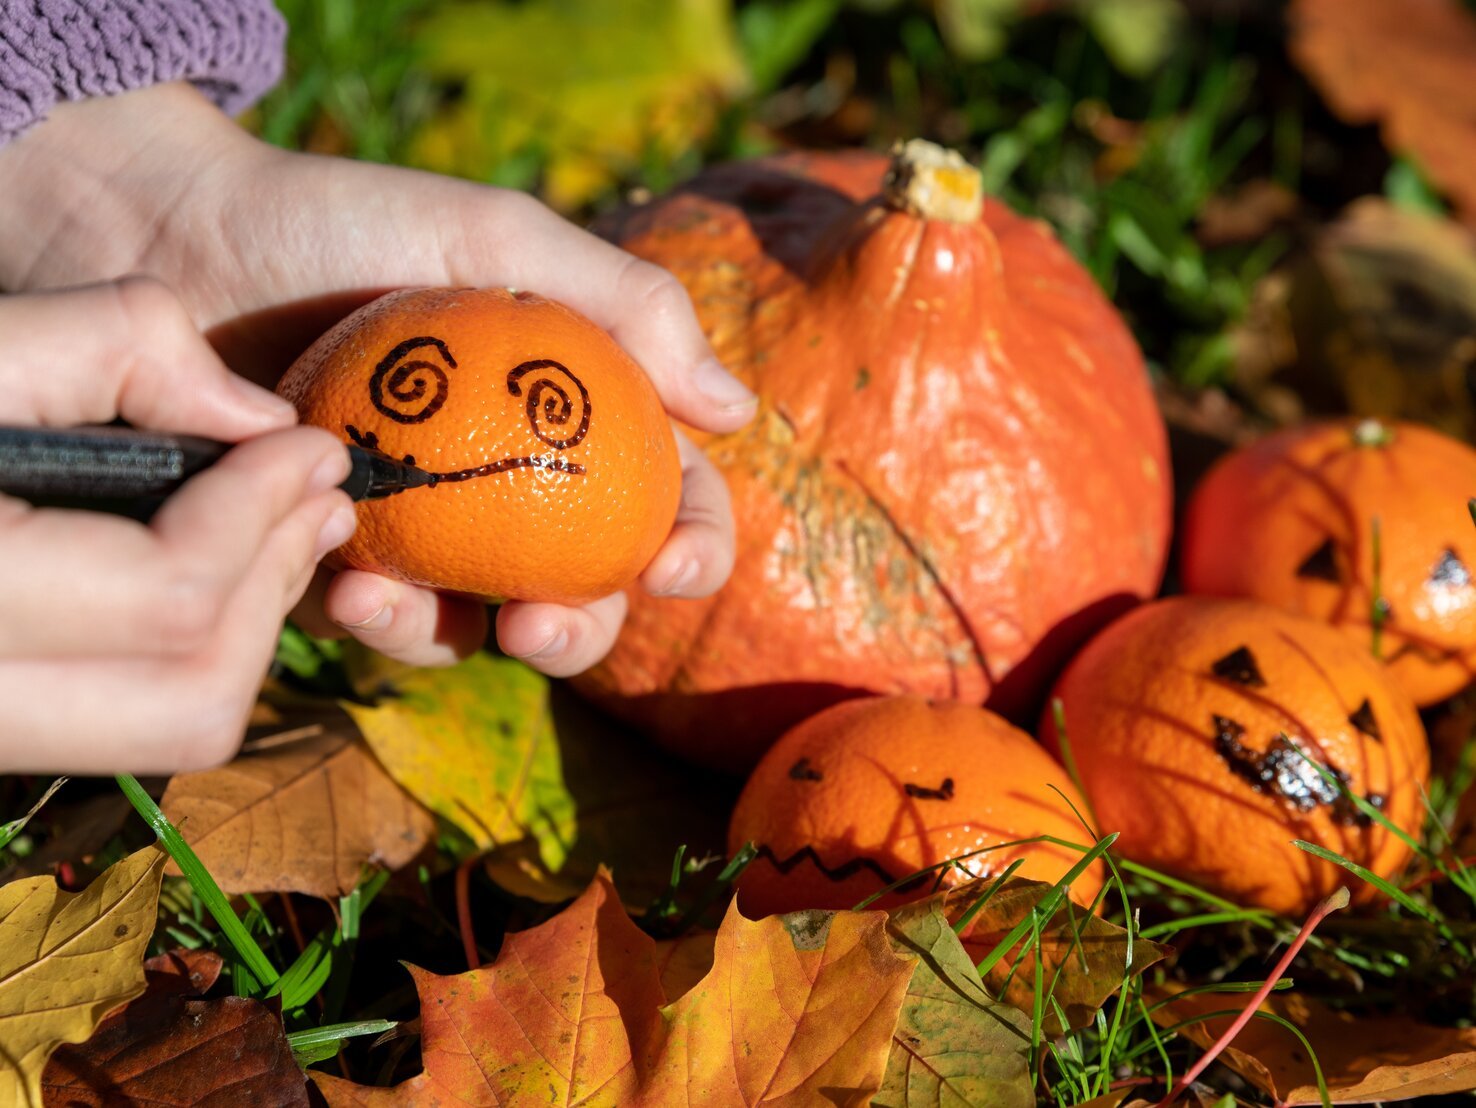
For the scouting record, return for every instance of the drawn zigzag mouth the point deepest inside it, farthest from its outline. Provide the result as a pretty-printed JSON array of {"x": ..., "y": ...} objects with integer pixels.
[{"x": 842, "y": 872}]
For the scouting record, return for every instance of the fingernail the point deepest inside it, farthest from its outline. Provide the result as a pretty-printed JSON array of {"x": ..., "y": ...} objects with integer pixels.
[
  {"x": 721, "y": 387},
  {"x": 376, "y": 622},
  {"x": 684, "y": 575},
  {"x": 269, "y": 404},
  {"x": 330, "y": 472},
  {"x": 337, "y": 529},
  {"x": 551, "y": 648}
]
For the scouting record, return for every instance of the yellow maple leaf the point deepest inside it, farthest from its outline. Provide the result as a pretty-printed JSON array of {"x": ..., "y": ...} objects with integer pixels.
[{"x": 67, "y": 960}]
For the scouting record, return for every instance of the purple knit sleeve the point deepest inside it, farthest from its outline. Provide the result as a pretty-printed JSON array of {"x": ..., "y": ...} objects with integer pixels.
[{"x": 53, "y": 50}]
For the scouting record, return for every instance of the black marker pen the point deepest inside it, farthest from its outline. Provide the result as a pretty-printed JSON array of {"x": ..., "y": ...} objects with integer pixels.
[{"x": 129, "y": 472}]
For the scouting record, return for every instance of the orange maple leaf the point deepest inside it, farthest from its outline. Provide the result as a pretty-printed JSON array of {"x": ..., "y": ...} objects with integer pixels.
[{"x": 573, "y": 1012}]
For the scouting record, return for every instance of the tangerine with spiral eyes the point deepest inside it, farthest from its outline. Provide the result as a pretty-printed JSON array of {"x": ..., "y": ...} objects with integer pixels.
[{"x": 555, "y": 469}]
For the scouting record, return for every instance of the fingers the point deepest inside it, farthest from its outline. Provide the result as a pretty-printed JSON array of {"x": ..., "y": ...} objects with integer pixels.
[
  {"x": 643, "y": 306},
  {"x": 560, "y": 641},
  {"x": 414, "y": 625},
  {"x": 698, "y": 555},
  {"x": 124, "y": 348},
  {"x": 142, "y": 714},
  {"x": 87, "y": 584}
]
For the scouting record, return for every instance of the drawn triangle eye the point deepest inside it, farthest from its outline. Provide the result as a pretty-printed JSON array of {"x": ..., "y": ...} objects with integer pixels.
[
  {"x": 1239, "y": 667},
  {"x": 1321, "y": 564},
  {"x": 1365, "y": 721}
]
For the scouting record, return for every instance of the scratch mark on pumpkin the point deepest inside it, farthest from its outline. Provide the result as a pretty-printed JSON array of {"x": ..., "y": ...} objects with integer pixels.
[{"x": 970, "y": 631}]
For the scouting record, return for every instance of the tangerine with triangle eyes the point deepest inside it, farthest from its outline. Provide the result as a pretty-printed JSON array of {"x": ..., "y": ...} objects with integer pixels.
[
  {"x": 1212, "y": 733},
  {"x": 1290, "y": 520},
  {"x": 554, "y": 469},
  {"x": 870, "y": 791}
]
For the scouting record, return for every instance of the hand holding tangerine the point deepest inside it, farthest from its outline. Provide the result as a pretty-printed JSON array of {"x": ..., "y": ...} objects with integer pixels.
[{"x": 554, "y": 469}]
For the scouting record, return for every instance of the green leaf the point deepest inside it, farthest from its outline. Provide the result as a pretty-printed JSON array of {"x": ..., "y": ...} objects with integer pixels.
[
  {"x": 475, "y": 743},
  {"x": 1137, "y": 35},
  {"x": 596, "y": 86},
  {"x": 777, "y": 34},
  {"x": 977, "y": 30},
  {"x": 954, "y": 1043}
]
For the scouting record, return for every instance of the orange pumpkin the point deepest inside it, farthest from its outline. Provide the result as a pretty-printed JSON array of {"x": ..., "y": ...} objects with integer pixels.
[
  {"x": 956, "y": 472},
  {"x": 1290, "y": 519},
  {"x": 869, "y": 792},
  {"x": 1195, "y": 723}
]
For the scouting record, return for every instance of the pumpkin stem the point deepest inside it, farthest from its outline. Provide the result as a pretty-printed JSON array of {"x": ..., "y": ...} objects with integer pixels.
[{"x": 933, "y": 182}]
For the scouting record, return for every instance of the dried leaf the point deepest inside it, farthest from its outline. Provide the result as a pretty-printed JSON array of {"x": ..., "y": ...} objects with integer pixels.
[
  {"x": 166, "y": 1049},
  {"x": 1376, "y": 318},
  {"x": 954, "y": 1044},
  {"x": 559, "y": 1017},
  {"x": 475, "y": 743},
  {"x": 1406, "y": 66},
  {"x": 594, "y": 88},
  {"x": 794, "y": 1007},
  {"x": 67, "y": 960},
  {"x": 1083, "y": 958},
  {"x": 304, "y": 817},
  {"x": 185, "y": 972},
  {"x": 684, "y": 961},
  {"x": 1363, "y": 1058}
]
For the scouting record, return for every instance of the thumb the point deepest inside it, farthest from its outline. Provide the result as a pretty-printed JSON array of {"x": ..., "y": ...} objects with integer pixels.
[{"x": 124, "y": 348}]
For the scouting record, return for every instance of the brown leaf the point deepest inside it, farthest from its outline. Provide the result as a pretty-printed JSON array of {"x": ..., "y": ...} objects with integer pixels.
[
  {"x": 74, "y": 832},
  {"x": 1376, "y": 318},
  {"x": 1405, "y": 65},
  {"x": 1246, "y": 214},
  {"x": 1363, "y": 1058},
  {"x": 165, "y": 1049},
  {"x": 304, "y": 817},
  {"x": 1083, "y": 957},
  {"x": 186, "y": 972}
]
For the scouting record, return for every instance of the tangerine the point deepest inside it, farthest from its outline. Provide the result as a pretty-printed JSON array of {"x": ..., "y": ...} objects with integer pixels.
[
  {"x": 870, "y": 791},
  {"x": 1290, "y": 520},
  {"x": 1212, "y": 733},
  {"x": 555, "y": 468}
]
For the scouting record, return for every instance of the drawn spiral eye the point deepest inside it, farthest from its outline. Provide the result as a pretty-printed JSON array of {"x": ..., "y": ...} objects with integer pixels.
[
  {"x": 411, "y": 391},
  {"x": 550, "y": 407}
]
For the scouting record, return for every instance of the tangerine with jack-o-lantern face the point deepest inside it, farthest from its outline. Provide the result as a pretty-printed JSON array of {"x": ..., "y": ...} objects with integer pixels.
[
  {"x": 554, "y": 468},
  {"x": 1212, "y": 734},
  {"x": 869, "y": 792},
  {"x": 1290, "y": 520}
]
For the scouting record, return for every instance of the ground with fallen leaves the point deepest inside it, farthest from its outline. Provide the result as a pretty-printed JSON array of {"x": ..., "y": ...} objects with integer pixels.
[{"x": 465, "y": 886}]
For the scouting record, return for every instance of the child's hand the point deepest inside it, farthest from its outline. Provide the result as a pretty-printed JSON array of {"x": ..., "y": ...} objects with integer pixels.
[
  {"x": 126, "y": 647},
  {"x": 270, "y": 248}
]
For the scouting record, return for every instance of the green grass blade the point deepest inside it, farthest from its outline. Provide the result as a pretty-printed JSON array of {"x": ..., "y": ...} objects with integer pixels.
[
  {"x": 252, "y": 957},
  {"x": 319, "y": 1043}
]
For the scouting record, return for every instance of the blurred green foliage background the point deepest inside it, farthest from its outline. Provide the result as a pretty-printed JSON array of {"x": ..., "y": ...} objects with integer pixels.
[{"x": 1121, "y": 122}]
